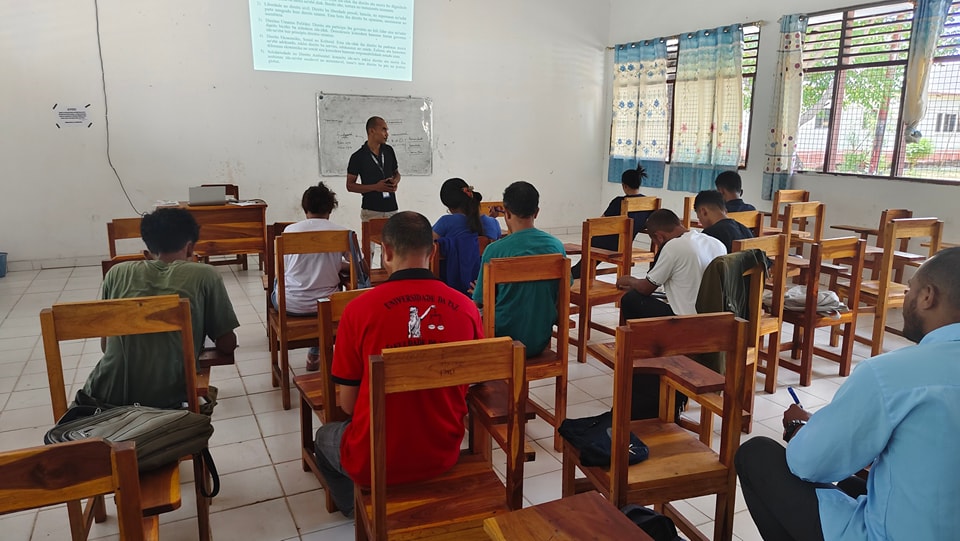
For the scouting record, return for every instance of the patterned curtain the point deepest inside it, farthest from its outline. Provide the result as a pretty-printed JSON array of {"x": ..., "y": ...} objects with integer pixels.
[
  {"x": 929, "y": 17},
  {"x": 639, "y": 131},
  {"x": 708, "y": 107},
  {"x": 785, "y": 111}
]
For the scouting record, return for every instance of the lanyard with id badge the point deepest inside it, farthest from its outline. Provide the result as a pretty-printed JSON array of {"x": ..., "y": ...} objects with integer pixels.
[{"x": 379, "y": 161}]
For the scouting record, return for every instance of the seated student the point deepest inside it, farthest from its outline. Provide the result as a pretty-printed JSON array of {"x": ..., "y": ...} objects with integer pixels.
[
  {"x": 730, "y": 185},
  {"x": 897, "y": 412},
  {"x": 630, "y": 182},
  {"x": 457, "y": 234},
  {"x": 426, "y": 427},
  {"x": 526, "y": 312},
  {"x": 684, "y": 254},
  {"x": 148, "y": 369},
  {"x": 712, "y": 214},
  {"x": 310, "y": 277}
]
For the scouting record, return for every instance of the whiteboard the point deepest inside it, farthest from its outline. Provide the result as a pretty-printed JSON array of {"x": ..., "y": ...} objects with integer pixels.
[{"x": 341, "y": 130}]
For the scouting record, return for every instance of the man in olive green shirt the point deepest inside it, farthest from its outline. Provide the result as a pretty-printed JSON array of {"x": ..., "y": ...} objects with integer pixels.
[{"x": 148, "y": 369}]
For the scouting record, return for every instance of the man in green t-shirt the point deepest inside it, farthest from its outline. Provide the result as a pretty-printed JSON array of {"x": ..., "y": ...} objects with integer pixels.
[
  {"x": 525, "y": 311},
  {"x": 148, "y": 369}
]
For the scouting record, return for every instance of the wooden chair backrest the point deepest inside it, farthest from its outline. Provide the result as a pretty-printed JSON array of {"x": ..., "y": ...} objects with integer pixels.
[
  {"x": 329, "y": 311},
  {"x": 782, "y": 197},
  {"x": 776, "y": 247},
  {"x": 274, "y": 230},
  {"x": 751, "y": 219},
  {"x": 687, "y": 219},
  {"x": 906, "y": 229},
  {"x": 822, "y": 257},
  {"x": 64, "y": 472},
  {"x": 622, "y": 227},
  {"x": 493, "y": 209},
  {"x": 120, "y": 317},
  {"x": 122, "y": 228},
  {"x": 885, "y": 218},
  {"x": 371, "y": 232},
  {"x": 310, "y": 242},
  {"x": 669, "y": 336},
  {"x": 230, "y": 190},
  {"x": 639, "y": 204},
  {"x": 800, "y": 213},
  {"x": 445, "y": 365},
  {"x": 533, "y": 268}
]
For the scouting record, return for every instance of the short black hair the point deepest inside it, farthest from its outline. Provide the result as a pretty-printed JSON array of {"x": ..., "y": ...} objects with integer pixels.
[
  {"x": 730, "y": 181},
  {"x": 168, "y": 230},
  {"x": 372, "y": 122},
  {"x": 710, "y": 198},
  {"x": 633, "y": 177},
  {"x": 408, "y": 233},
  {"x": 521, "y": 198},
  {"x": 940, "y": 271},
  {"x": 662, "y": 220},
  {"x": 319, "y": 199}
]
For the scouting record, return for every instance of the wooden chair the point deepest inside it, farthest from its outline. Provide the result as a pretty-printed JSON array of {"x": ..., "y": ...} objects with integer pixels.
[
  {"x": 120, "y": 229},
  {"x": 641, "y": 204},
  {"x": 680, "y": 466},
  {"x": 587, "y": 291},
  {"x": 285, "y": 331},
  {"x": 453, "y": 505},
  {"x": 823, "y": 267},
  {"x": 584, "y": 516},
  {"x": 551, "y": 363},
  {"x": 882, "y": 294},
  {"x": 771, "y": 320},
  {"x": 230, "y": 190},
  {"x": 780, "y": 198},
  {"x": 688, "y": 218},
  {"x": 801, "y": 213},
  {"x": 52, "y": 474},
  {"x": 159, "y": 489},
  {"x": 873, "y": 257},
  {"x": 318, "y": 394},
  {"x": 371, "y": 232}
]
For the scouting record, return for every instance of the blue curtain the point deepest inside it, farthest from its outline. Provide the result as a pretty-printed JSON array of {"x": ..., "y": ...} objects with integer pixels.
[
  {"x": 639, "y": 129},
  {"x": 708, "y": 107}
]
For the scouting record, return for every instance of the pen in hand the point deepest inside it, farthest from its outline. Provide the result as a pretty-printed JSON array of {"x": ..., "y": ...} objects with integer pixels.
[{"x": 796, "y": 400}]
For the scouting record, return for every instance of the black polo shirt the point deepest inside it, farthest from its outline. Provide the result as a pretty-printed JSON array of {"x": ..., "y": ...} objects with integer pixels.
[
  {"x": 737, "y": 205},
  {"x": 727, "y": 231},
  {"x": 372, "y": 168}
]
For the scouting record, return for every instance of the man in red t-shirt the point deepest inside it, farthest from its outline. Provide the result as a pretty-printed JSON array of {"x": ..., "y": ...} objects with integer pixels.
[{"x": 424, "y": 428}]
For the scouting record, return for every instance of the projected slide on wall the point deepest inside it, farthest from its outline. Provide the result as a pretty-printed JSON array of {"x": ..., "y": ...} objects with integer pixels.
[{"x": 355, "y": 38}]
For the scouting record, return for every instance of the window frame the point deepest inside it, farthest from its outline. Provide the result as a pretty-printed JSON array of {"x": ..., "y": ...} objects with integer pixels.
[{"x": 942, "y": 55}]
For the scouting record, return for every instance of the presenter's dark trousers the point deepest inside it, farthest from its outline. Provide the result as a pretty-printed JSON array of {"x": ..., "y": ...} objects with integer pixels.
[{"x": 783, "y": 506}]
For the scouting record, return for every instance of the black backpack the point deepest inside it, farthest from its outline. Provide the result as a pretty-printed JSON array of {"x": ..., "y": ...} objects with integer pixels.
[
  {"x": 657, "y": 526},
  {"x": 592, "y": 437}
]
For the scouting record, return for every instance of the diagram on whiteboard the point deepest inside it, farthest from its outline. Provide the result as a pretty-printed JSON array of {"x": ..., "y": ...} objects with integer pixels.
[{"x": 341, "y": 129}]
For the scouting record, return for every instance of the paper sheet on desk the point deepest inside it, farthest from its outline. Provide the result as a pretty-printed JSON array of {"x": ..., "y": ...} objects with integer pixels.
[
  {"x": 162, "y": 203},
  {"x": 246, "y": 203}
]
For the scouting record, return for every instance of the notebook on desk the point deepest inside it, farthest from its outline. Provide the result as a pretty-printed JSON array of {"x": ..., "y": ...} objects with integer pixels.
[{"x": 207, "y": 196}]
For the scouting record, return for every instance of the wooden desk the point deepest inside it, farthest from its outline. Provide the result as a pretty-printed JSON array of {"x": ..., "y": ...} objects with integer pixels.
[
  {"x": 231, "y": 229},
  {"x": 578, "y": 518}
]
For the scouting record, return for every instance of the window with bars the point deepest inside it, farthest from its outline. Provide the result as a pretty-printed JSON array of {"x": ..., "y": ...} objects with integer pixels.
[
  {"x": 854, "y": 66},
  {"x": 751, "y": 39}
]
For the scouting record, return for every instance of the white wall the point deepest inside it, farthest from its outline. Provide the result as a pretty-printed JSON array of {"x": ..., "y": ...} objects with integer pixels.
[
  {"x": 519, "y": 92},
  {"x": 849, "y": 200}
]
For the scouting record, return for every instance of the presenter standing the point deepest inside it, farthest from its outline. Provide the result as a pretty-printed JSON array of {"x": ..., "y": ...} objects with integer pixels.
[{"x": 375, "y": 164}]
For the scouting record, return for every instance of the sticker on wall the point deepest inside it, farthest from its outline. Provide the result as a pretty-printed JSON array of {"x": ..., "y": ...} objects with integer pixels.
[{"x": 72, "y": 117}]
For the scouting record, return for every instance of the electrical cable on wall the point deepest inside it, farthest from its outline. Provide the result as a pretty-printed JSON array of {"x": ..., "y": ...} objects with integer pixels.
[{"x": 106, "y": 110}]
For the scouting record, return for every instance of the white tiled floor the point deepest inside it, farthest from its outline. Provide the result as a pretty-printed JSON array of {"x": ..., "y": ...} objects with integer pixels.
[{"x": 265, "y": 494}]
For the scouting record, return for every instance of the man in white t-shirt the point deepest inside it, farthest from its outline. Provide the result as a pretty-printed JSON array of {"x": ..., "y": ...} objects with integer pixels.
[
  {"x": 684, "y": 254},
  {"x": 679, "y": 269}
]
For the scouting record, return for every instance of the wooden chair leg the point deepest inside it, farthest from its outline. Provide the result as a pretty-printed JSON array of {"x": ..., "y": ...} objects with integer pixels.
[
  {"x": 568, "y": 476},
  {"x": 284, "y": 374},
  {"x": 99, "y": 510},
  {"x": 151, "y": 528},
  {"x": 723, "y": 516},
  {"x": 78, "y": 526},
  {"x": 795, "y": 348},
  {"x": 306, "y": 432},
  {"x": 583, "y": 332},
  {"x": 559, "y": 412},
  {"x": 203, "y": 503},
  {"x": 806, "y": 355},
  {"x": 274, "y": 360},
  {"x": 835, "y": 336},
  {"x": 846, "y": 352},
  {"x": 772, "y": 355},
  {"x": 879, "y": 329}
]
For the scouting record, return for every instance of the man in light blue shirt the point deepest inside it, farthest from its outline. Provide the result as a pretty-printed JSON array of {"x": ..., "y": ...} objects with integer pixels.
[{"x": 899, "y": 413}]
